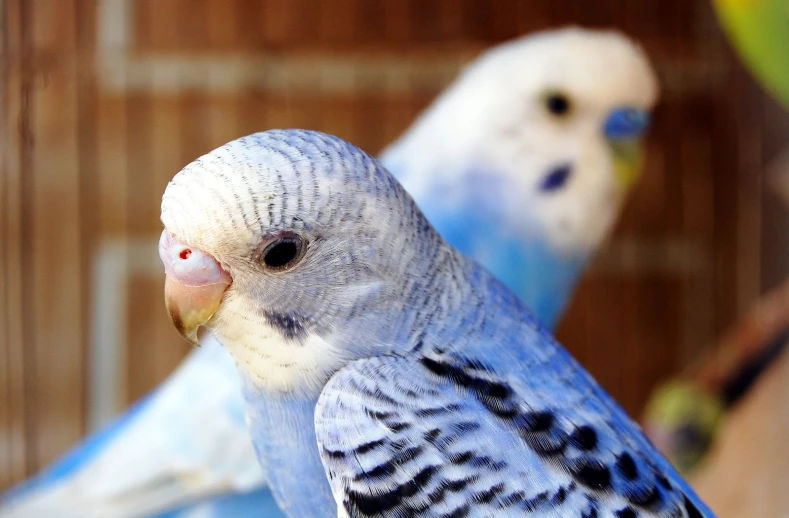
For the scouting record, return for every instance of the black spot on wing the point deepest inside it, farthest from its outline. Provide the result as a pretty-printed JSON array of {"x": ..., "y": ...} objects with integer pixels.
[
  {"x": 450, "y": 486},
  {"x": 486, "y": 496},
  {"x": 482, "y": 387},
  {"x": 645, "y": 496},
  {"x": 389, "y": 467},
  {"x": 385, "y": 469},
  {"x": 397, "y": 426},
  {"x": 431, "y": 435},
  {"x": 334, "y": 454},
  {"x": 627, "y": 512},
  {"x": 437, "y": 411},
  {"x": 368, "y": 446},
  {"x": 460, "y": 512},
  {"x": 693, "y": 511},
  {"x": 561, "y": 495},
  {"x": 584, "y": 438},
  {"x": 535, "y": 422},
  {"x": 361, "y": 504},
  {"x": 477, "y": 461},
  {"x": 377, "y": 503},
  {"x": 391, "y": 420},
  {"x": 591, "y": 473},
  {"x": 663, "y": 481},
  {"x": 538, "y": 429},
  {"x": 626, "y": 466}
]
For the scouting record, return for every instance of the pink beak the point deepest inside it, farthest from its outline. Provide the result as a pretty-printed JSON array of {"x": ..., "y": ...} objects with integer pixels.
[{"x": 194, "y": 285}]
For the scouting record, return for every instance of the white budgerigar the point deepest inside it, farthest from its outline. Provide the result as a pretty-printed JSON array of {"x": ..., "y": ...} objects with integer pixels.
[
  {"x": 522, "y": 163},
  {"x": 385, "y": 373}
]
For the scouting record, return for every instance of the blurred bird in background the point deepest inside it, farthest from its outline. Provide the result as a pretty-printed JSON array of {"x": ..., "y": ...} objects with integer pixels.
[{"x": 523, "y": 164}]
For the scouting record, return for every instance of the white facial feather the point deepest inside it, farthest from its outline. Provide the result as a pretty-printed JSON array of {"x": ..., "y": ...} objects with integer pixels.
[
  {"x": 268, "y": 359},
  {"x": 494, "y": 118}
]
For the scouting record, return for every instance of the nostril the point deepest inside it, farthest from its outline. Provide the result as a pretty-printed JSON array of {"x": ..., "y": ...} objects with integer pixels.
[{"x": 185, "y": 254}]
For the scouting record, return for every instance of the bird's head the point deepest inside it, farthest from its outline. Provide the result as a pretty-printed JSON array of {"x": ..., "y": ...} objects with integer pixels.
[
  {"x": 297, "y": 250},
  {"x": 557, "y": 121}
]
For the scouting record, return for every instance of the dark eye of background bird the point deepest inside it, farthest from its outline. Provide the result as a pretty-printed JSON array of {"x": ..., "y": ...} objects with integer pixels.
[{"x": 558, "y": 104}]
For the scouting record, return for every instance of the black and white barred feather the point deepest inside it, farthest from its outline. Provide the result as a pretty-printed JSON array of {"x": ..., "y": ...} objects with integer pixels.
[{"x": 442, "y": 436}]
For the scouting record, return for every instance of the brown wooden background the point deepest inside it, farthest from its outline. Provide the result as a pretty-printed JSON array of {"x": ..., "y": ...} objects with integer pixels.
[{"x": 104, "y": 100}]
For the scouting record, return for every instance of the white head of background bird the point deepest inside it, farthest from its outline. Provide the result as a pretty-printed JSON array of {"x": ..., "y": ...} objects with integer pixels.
[
  {"x": 561, "y": 114},
  {"x": 299, "y": 252}
]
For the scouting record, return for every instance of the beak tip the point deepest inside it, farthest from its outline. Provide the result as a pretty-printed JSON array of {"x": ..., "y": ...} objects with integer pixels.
[
  {"x": 187, "y": 332},
  {"x": 190, "y": 308}
]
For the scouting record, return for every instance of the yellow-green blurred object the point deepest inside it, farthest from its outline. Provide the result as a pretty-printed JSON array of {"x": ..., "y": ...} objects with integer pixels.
[
  {"x": 759, "y": 31},
  {"x": 681, "y": 419}
]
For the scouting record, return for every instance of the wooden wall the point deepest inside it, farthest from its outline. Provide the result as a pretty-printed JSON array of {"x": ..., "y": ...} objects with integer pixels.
[{"x": 104, "y": 100}]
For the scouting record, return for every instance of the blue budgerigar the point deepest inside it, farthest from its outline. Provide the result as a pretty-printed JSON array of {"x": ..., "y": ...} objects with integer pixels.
[
  {"x": 384, "y": 372},
  {"x": 522, "y": 163}
]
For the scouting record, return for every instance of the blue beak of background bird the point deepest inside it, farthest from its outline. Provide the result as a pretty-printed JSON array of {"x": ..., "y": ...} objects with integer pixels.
[{"x": 626, "y": 123}]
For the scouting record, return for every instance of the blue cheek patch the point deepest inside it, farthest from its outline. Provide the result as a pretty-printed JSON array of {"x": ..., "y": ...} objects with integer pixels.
[{"x": 556, "y": 179}]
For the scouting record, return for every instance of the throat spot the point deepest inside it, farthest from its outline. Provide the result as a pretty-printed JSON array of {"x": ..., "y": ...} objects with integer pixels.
[{"x": 292, "y": 327}]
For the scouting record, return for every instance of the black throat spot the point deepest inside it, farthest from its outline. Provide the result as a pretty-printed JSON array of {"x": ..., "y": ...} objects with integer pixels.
[{"x": 291, "y": 327}]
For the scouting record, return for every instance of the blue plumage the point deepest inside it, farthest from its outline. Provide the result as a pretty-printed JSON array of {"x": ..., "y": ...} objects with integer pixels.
[
  {"x": 420, "y": 384},
  {"x": 526, "y": 263}
]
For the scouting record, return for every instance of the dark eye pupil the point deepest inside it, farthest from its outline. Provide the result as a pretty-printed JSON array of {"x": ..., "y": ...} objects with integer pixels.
[
  {"x": 281, "y": 253},
  {"x": 558, "y": 104}
]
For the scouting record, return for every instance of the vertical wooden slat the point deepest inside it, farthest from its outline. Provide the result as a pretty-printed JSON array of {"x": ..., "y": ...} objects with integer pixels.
[
  {"x": 370, "y": 22},
  {"x": 334, "y": 22},
  {"x": 151, "y": 357},
  {"x": 15, "y": 135},
  {"x": 141, "y": 211},
  {"x": 190, "y": 26},
  {"x": 504, "y": 19},
  {"x": 87, "y": 101},
  {"x": 477, "y": 18},
  {"x": 449, "y": 26},
  {"x": 221, "y": 26},
  {"x": 749, "y": 190},
  {"x": 56, "y": 280},
  {"x": 696, "y": 151},
  {"x": 164, "y": 22},
  {"x": 276, "y": 21},
  {"x": 398, "y": 26}
]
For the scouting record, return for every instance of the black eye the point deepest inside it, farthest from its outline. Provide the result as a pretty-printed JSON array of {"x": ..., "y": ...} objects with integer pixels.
[
  {"x": 283, "y": 253},
  {"x": 558, "y": 104}
]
